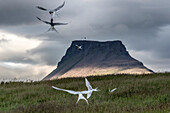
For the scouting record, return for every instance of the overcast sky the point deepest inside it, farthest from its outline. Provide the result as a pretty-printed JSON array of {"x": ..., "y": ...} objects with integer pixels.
[{"x": 28, "y": 52}]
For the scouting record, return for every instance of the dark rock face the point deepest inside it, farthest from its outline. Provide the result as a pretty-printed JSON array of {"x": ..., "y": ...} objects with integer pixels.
[{"x": 94, "y": 54}]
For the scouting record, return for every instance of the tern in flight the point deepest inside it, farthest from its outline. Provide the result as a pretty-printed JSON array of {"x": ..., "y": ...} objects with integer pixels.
[
  {"x": 52, "y": 12},
  {"x": 52, "y": 24},
  {"x": 112, "y": 90},
  {"x": 80, "y": 93},
  {"x": 79, "y": 47}
]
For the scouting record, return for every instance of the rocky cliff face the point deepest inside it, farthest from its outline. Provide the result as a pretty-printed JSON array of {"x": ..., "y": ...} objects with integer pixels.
[{"x": 97, "y": 58}]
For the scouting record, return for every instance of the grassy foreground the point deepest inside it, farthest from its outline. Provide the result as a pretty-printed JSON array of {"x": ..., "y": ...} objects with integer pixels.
[{"x": 135, "y": 93}]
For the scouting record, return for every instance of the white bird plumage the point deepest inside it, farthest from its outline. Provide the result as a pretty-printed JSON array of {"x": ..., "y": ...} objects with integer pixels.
[
  {"x": 80, "y": 93},
  {"x": 79, "y": 47},
  {"x": 90, "y": 89},
  {"x": 52, "y": 12},
  {"x": 112, "y": 90}
]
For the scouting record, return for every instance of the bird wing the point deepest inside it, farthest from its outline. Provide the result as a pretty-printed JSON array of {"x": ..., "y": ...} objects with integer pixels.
[
  {"x": 59, "y": 7},
  {"x": 60, "y": 23},
  {"x": 39, "y": 7},
  {"x": 69, "y": 91},
  {"x": 85, "y": 92},
  {"x": 89, "y": 95},
  {"x": 113, "y": 90},
  {"x": 43, "y": 20},
  {"x": 89, "y": 87}
]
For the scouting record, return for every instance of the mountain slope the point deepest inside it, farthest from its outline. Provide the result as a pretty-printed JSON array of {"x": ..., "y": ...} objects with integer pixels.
[{"x": 97, "y": 58}]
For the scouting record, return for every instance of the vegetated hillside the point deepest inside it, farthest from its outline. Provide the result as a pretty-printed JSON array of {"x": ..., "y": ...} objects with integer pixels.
[
  {"x": 135, "y": 93},
  {"x": 96, "y": 58}
]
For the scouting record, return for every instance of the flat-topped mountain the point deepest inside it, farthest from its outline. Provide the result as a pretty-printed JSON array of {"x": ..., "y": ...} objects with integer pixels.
[{"x": 96, "y": 58}]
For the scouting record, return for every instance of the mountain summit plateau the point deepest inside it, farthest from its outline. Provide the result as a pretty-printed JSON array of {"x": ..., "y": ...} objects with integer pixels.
[{"x": 97, "y": 58}]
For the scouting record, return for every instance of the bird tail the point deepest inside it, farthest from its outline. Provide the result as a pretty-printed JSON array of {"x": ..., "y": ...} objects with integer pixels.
[
  {"x": 50, "y": 29},
  {"x": 96, "y": 89},
  {"x": 54, "y": 29}
]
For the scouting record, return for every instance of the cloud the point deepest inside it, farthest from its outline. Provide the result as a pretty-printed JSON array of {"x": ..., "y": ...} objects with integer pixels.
[
  {"x": 142, "y": 25},
  {"x": 148, "y": 58},
  {"x": 49, "y": 52},
  {"x": 3, "y": 40},
  {"x": 16, "y": 12},
  {"x": 14, "y": 48},
  {"x": 24, "y": 72}
]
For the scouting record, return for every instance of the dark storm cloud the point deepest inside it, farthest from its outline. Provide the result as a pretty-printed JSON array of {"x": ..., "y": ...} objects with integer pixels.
[
  {"x": 161, "y": 44},
  {"x": 133, "y": 17},
  {"x": 20, "y": 59},
  {"x": 138, "y": 23},
  {"x": 16, "y": 12},
  {"x": 17, "y": 57},
  {"x": 111, "y": 16},
  {"x": 49, "y": 51}
]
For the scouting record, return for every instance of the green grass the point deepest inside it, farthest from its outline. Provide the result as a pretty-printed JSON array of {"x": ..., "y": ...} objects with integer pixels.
[{"x": 135, "y": 93}]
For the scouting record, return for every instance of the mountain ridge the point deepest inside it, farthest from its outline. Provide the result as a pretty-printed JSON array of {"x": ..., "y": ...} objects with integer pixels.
[{"x": 96, "y": 58}]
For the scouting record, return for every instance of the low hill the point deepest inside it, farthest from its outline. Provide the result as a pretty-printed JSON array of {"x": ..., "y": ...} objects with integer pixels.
[
  {"x": 134, "y": 94},
  {"x": 96, "y": 58}
]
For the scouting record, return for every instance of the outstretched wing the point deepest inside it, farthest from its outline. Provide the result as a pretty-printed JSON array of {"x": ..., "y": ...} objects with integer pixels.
[
  {"x": 89, "y": 95},
  {"x": 43, "y": 20},
  {"x": 69, "y": 91},
  {"x": 113, "y": 90},
  {"x": 60, "y": 23},
  {"x": 39, "y": 7},
  {"x": 89, "y": 87},
  {"x": 59, "y": 7}
]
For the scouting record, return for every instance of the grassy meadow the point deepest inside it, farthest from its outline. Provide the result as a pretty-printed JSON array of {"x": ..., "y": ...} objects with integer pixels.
[{"x": 135, "y": 93}]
